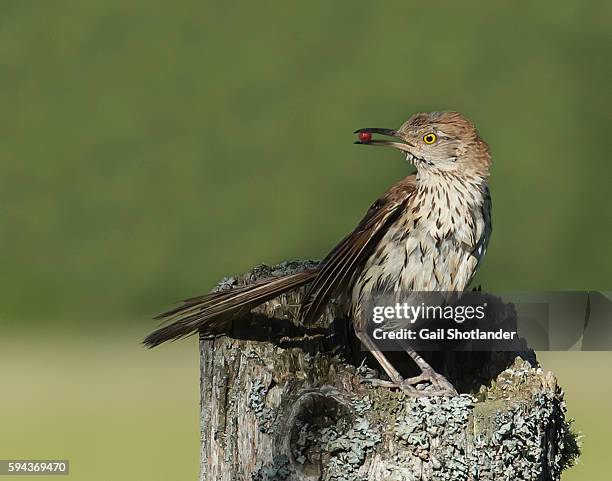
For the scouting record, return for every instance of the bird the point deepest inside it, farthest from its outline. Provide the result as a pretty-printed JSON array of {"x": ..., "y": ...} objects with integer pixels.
[{"x": 428, "y": 232}]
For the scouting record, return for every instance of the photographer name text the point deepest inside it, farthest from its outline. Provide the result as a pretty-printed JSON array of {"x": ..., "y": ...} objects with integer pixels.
[{"x": 452, "y": 334}]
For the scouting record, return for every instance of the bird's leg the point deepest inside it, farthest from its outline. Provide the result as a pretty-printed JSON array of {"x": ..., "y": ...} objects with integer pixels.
[
  {"x": 440, "y": 386},
  {"x": 397, "y": 381},
  {"x": 393, "y": 374}
]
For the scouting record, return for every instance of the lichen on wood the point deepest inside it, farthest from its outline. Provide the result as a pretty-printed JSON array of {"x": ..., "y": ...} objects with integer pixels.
[{"x": 283, "y": 402}]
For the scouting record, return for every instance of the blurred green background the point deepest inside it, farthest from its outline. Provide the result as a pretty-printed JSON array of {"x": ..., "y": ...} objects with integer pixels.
[{"x": 151, "y": 148}]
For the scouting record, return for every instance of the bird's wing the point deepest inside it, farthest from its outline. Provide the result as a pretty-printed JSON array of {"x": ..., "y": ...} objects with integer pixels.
[{"x": 349, "y": 255}]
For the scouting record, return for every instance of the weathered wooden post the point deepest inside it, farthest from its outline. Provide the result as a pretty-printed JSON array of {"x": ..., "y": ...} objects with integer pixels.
[{"x": 282, "y": 403}]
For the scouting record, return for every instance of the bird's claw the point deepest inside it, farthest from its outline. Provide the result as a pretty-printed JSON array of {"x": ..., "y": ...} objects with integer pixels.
[{"x": 427, "y": 384}]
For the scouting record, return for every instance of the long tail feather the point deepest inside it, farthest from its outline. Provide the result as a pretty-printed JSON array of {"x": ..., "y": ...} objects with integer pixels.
[{"x": 212, "y": 313}]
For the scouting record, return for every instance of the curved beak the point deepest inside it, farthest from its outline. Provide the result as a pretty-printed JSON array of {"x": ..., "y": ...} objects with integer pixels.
[{"x": 402, "y": 145}]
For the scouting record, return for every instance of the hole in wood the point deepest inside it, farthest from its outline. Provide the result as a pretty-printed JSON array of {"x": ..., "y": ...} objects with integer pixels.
[{"x": 319, "y": 419}]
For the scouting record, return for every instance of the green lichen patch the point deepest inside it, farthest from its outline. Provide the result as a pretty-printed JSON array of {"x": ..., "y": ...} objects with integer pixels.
[
  {"x": 520, "y": 431},
  {"x": 279, "y": 470},
  {"x": 257, "y": 404},
  {"x": 571, "y": 446},
  {"x": 326, "y": 436}
]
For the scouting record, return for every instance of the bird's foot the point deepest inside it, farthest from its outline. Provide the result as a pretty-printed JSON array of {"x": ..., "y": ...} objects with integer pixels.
[{"x": 427, "y": 384}]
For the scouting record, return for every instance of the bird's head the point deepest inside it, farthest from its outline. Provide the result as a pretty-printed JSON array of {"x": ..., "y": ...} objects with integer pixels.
[{"x": 437, "y": 143}]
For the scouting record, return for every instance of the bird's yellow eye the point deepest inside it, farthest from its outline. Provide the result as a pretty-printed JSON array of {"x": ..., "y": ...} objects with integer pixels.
[{"x": 429, "y": 138}]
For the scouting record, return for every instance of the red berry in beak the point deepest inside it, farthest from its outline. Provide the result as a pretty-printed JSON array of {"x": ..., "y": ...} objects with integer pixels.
[{"x": 365, "y": 137}]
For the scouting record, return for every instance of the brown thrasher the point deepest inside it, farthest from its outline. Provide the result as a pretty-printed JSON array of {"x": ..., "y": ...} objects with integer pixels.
[{"x": 426, "y": 233}]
